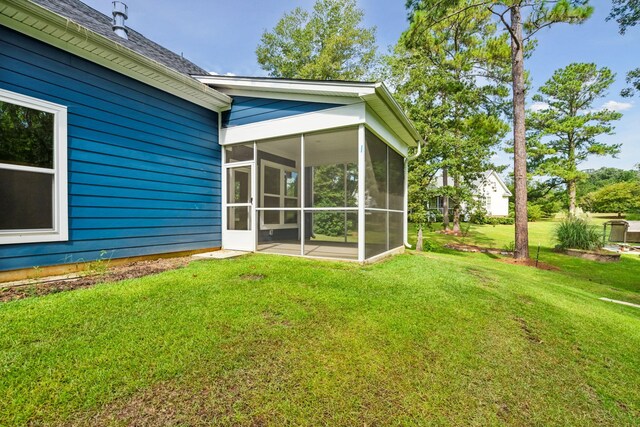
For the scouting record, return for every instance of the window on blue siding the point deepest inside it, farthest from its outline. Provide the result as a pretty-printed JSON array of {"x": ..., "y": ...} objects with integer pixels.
[
  {"x": 33, "y": 187},
  {"x": 26, "y": 136}
]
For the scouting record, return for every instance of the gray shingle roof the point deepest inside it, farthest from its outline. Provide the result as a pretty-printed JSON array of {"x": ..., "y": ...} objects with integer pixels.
[{"x": 97, "y": 22}]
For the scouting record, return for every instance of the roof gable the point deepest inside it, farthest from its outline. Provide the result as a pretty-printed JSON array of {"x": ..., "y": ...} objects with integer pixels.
[
  {"x": 493, "y": 175},
  {"x": 376, "y": 96}
]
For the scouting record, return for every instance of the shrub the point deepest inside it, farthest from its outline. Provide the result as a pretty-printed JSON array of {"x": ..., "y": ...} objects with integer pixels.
[
  {"x": 510, "y": 247},
  {"x": 576, "y": 233},
  {"x": 478, "y": 216},
  {"x": 330, "y": 223},
  {"x": 500, "y": 221},
  {"x": 534, "y": 212},
  {"x": 632, "y": 217}
]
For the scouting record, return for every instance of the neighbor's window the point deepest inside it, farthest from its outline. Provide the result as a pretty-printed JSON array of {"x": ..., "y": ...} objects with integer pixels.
[{"x": 33, "y": 187}]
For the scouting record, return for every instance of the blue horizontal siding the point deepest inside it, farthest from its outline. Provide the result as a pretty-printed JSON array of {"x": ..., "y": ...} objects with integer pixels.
[
  {"x": 101, "y": 201},
  {"x": 246, "y": 110},
  {"x": 144, "y": 165}
]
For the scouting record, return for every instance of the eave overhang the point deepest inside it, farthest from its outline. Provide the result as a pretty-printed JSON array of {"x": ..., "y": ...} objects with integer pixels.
[
  {"x": 376, "y": 96},
  {"x": 49, "y": 27}
]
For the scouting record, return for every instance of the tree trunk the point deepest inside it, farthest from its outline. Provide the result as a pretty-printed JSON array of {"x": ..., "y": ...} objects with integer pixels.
[
  {"x": 456, "y": 219},
  {"x": 519, "y": 141},
  {"x": 419, "y": 246},
  {"x": 456, "y": 205},
  {"x": 572, "y": 197},
  {"x": 445, "y": 199}
]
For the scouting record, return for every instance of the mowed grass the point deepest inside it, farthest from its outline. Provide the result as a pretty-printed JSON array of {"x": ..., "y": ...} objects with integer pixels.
[
  {"x": 620, "y": 276},
  {"x": 443, "y": 338}
]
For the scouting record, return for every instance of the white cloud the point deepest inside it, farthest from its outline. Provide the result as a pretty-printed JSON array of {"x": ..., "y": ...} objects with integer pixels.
[
  {"x": 616, "y": 106},
  {"x": 539, "y": 106},
  {"x": 213, "y": 73}
]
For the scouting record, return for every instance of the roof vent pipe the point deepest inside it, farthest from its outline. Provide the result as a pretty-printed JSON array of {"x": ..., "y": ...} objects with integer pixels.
[{"x": 120, "y": 11}]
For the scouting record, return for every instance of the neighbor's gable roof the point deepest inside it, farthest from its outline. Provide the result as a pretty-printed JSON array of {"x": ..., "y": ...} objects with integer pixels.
[
  {"x": 498, "y": 178},
  {"x": 375, "y": 95},
  {"x": 75, "y": 27}
]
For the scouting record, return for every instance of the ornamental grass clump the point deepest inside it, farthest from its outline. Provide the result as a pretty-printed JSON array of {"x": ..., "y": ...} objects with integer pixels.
[{"x": 577, "y": 233}]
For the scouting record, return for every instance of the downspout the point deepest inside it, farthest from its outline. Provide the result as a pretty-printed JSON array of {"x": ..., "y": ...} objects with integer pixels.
[{"x": 406, "y": 193}]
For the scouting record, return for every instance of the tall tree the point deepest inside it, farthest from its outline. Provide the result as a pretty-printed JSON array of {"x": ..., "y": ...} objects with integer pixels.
[
  {"x": 565, "y": 134},
  {"x": 627, "y": 14},
  {"x": 446, "y": 75},
  {"x": 328, "y": 43},
  {"x": 521, "y": 20}
]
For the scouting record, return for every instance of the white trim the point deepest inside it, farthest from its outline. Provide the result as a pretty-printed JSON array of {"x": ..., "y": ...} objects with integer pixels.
[
  {"x": 361, "y": 192},
  {"x": 282, "y": 196},
  {"x": 386, "y": 254},
  {"x": 382, "y": 131},
  {"x": 9, "y": 166},
  {"x": 320, "y": 209},
  {"x": 60, "y": 230},
  {"x": 285, "y": 85},
  {"x": 330, "y": 118},
  {"x": 405, "y": 218},
  {"x": 301, "y": 195},
  {"x": 239, "y": 239},
  {"x": 384, "y": 210},
  {"x": 42, "y": 24}
]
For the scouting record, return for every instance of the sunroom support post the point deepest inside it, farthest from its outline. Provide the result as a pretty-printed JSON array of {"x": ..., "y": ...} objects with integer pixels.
[
  {"x": 302, "y": 196},
  {"x": 361, "y": 192},
  {"x": 406, "y": 204}
]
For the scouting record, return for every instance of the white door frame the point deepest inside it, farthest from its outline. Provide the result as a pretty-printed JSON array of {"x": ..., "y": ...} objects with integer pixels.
[{"x": 241, "y": 240}]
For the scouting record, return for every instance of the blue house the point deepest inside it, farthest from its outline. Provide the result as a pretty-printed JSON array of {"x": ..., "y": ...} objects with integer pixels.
[{"x": 112, "y": 144}]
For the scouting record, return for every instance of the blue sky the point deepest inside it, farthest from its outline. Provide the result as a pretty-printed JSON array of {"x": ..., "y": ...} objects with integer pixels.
[{"x": 221, "y": 36}]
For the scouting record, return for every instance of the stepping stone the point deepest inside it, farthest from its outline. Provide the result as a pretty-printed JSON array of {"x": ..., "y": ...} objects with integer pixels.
[{"x": 221, "y": 254}]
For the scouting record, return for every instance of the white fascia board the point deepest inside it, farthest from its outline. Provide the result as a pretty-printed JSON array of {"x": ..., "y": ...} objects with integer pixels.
[
  {"x": 378, "y": 127},
  {"x": 396, "y": 109},
  {"x": 294, "y": 86},
  {"x": 49, "y": 27},
  {"x": 502, "y": 184},
  {"x": 330, "y": 118},
  {"x": 289, "y": 96}
]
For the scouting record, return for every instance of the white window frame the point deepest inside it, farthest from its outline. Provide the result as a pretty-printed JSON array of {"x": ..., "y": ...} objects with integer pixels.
[
  {"x": 281, "y": 224},
  {"x": 60, "y": 230}
]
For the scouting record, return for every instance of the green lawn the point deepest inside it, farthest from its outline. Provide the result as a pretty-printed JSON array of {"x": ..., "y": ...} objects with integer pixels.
[{"x": 441, "y": 337}]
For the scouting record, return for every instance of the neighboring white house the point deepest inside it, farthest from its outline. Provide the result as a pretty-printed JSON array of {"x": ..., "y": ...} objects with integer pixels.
[{"x": 490, "y": 190}]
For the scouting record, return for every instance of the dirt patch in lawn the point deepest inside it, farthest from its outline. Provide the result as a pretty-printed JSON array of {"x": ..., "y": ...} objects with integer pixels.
[
  {"x": 530, "y": 263},
  {"x": 528, "y": 332},
  {"x": 252, "y": 277},
  {"x": 111, "y": 274},
  {"x": 473, "y": 248}
]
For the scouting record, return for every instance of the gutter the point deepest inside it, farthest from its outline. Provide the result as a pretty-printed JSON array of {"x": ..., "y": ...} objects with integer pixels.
[{"x": 61, "y": 31}]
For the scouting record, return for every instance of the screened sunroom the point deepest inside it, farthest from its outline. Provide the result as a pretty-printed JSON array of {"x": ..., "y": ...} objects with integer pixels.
[{"x": 335, "y": 189}]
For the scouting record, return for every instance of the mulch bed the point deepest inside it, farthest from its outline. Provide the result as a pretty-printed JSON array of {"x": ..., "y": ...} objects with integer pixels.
[
  {"x": 530, "y": 263},
  {"x": 473, "y": 248},
  {"x": 526, "y": 262},
  {"x": 115, "y": 273}
]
